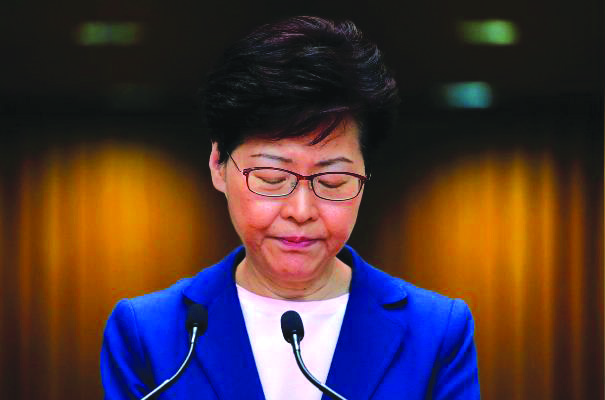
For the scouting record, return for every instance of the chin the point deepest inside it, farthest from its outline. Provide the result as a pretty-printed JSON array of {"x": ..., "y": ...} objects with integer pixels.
[{"x": 294, "y": 266}]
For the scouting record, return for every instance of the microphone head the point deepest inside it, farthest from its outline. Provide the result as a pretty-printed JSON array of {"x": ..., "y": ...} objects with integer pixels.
[
  {"x": 197, "y": 316},
  {"x": 292, "y": 324}
]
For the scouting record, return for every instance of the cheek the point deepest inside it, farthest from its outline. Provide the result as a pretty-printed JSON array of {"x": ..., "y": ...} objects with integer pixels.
[
  {"x": 340, "y": 220},
  {"x": 251, "y": 215}
]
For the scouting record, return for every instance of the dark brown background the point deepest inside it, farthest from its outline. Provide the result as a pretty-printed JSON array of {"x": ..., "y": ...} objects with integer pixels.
[{"x": 104, "y": 190}]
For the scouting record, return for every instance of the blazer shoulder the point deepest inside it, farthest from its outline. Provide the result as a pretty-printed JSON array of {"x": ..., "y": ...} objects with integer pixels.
[
  {"x": 418, "y": 296},
  {"x": 435, "y": 308},
  {"x": 201, "y": 288},
  {"x": 155, "y": 301}
]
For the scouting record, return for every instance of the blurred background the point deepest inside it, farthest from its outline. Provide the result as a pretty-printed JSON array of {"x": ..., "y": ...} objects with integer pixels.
[{"x": 490, "y": 189}]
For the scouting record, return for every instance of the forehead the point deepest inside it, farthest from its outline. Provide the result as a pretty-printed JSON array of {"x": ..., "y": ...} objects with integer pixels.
[{"x": 342, "y": 141}]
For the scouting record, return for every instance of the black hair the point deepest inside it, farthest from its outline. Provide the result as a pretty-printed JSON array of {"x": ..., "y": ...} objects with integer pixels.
[{"x": 296, "y": 76}]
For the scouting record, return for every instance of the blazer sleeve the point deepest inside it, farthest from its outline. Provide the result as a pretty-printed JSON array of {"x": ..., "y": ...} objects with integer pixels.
[
  {"x": 457, "y": 375},
  {"x": 124, "y": 371}
]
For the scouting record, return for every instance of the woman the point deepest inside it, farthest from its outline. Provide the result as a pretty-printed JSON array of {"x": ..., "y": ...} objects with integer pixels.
[{"x": 294, "y": 110}]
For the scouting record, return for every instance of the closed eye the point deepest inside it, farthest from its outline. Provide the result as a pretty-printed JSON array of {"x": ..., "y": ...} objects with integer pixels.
[
  {"x": 273, "y": 181},
  {"x": 332, "y": 184}
]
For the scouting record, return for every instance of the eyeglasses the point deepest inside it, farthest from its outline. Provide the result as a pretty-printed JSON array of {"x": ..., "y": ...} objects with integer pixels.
[{"x": 278, "y": 182}]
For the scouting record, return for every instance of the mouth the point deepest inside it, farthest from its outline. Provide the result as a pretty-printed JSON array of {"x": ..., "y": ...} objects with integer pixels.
[{"x": 296, "y": 242}]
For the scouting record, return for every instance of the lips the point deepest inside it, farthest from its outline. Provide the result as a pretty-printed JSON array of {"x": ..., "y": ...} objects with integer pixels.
[
  {"x": 296, "y": 239},
  {"x": 296, "y": 242}
]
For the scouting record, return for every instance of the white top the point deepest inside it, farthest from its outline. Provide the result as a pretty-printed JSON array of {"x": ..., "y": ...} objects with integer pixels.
[{"x": 275, "y": 362}]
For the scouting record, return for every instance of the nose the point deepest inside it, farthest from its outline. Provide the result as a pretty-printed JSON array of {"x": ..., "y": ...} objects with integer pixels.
[{"x": 301, "y": 205}]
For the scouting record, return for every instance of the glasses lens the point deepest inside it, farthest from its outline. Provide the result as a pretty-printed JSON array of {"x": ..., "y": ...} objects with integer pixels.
[
  {"x": 335, "y": 186},
  {"x": 271, "y": 182}
]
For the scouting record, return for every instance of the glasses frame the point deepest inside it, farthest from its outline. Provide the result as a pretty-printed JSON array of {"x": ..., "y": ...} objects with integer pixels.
[{"x": 246, "y": 172}]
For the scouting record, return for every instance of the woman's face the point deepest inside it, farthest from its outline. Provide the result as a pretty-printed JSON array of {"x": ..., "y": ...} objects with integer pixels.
[{"x": 292, "y": 239}]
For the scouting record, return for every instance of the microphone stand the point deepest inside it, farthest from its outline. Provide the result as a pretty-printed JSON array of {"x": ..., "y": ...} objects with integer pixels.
[
  {"x": 166, "y": 384},
  {"x": 324, "y": 389}
]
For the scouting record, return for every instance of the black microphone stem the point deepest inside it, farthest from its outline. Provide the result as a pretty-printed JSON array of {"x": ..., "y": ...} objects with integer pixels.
[
  {"x": 324, "y": 389},
  {"x": 166, "y": 384}
]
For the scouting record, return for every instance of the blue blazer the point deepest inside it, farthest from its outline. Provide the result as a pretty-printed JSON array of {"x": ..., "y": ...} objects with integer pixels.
[{"x": 396, "y": 341}]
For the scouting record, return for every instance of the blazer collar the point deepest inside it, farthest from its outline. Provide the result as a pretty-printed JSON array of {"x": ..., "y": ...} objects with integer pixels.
[
  {"x": 369, "y": 338},
  {"x": 224, "y": 352},
  {"x": 367, "y": 280},
  {"x": 208, "y": 284},
  {"x": 371, "y": 334}
]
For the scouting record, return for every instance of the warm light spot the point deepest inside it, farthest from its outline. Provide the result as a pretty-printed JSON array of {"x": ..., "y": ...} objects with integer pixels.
[
  {"x": 468, "y": 95},
  {"x": 489, "y": 229},
  {"x": 109, "y": 33},
  {"x": 96, "y": 223},
  {"x": 489, "y": 32}
]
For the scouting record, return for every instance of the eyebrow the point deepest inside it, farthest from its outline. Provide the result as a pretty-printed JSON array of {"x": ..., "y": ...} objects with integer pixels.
[
  {"x": 326, "y": 163},
  {"x": 322, "y": 163},
  {"x": 272, "y": 157}
]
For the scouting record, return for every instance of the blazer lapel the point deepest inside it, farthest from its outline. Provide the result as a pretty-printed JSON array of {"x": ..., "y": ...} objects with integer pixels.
[
  {"x": 224, "y": 351},
  {"x": 369, "y": 338}
]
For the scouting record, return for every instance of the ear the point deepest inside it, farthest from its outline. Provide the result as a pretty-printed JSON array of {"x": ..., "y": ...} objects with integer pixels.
[{"x": 217, "y": 170}]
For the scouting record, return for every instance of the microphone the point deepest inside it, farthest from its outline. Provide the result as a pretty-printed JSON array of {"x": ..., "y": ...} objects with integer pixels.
[
  {"x": 197, "y": 323},
  {"x": 293, "y": 330}
]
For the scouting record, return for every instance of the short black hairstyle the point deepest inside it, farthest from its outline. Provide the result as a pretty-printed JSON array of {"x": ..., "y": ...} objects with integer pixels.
[{"x": 296, "y": 76}]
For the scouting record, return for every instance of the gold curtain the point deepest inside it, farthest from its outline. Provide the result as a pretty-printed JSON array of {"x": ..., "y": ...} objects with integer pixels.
[
  {"x": 510, "y": 234},
  {"x": 93, "y": 224}
]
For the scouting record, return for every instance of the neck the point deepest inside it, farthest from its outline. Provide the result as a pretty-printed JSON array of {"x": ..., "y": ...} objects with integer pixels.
[{"x": 333, "y": 283}]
